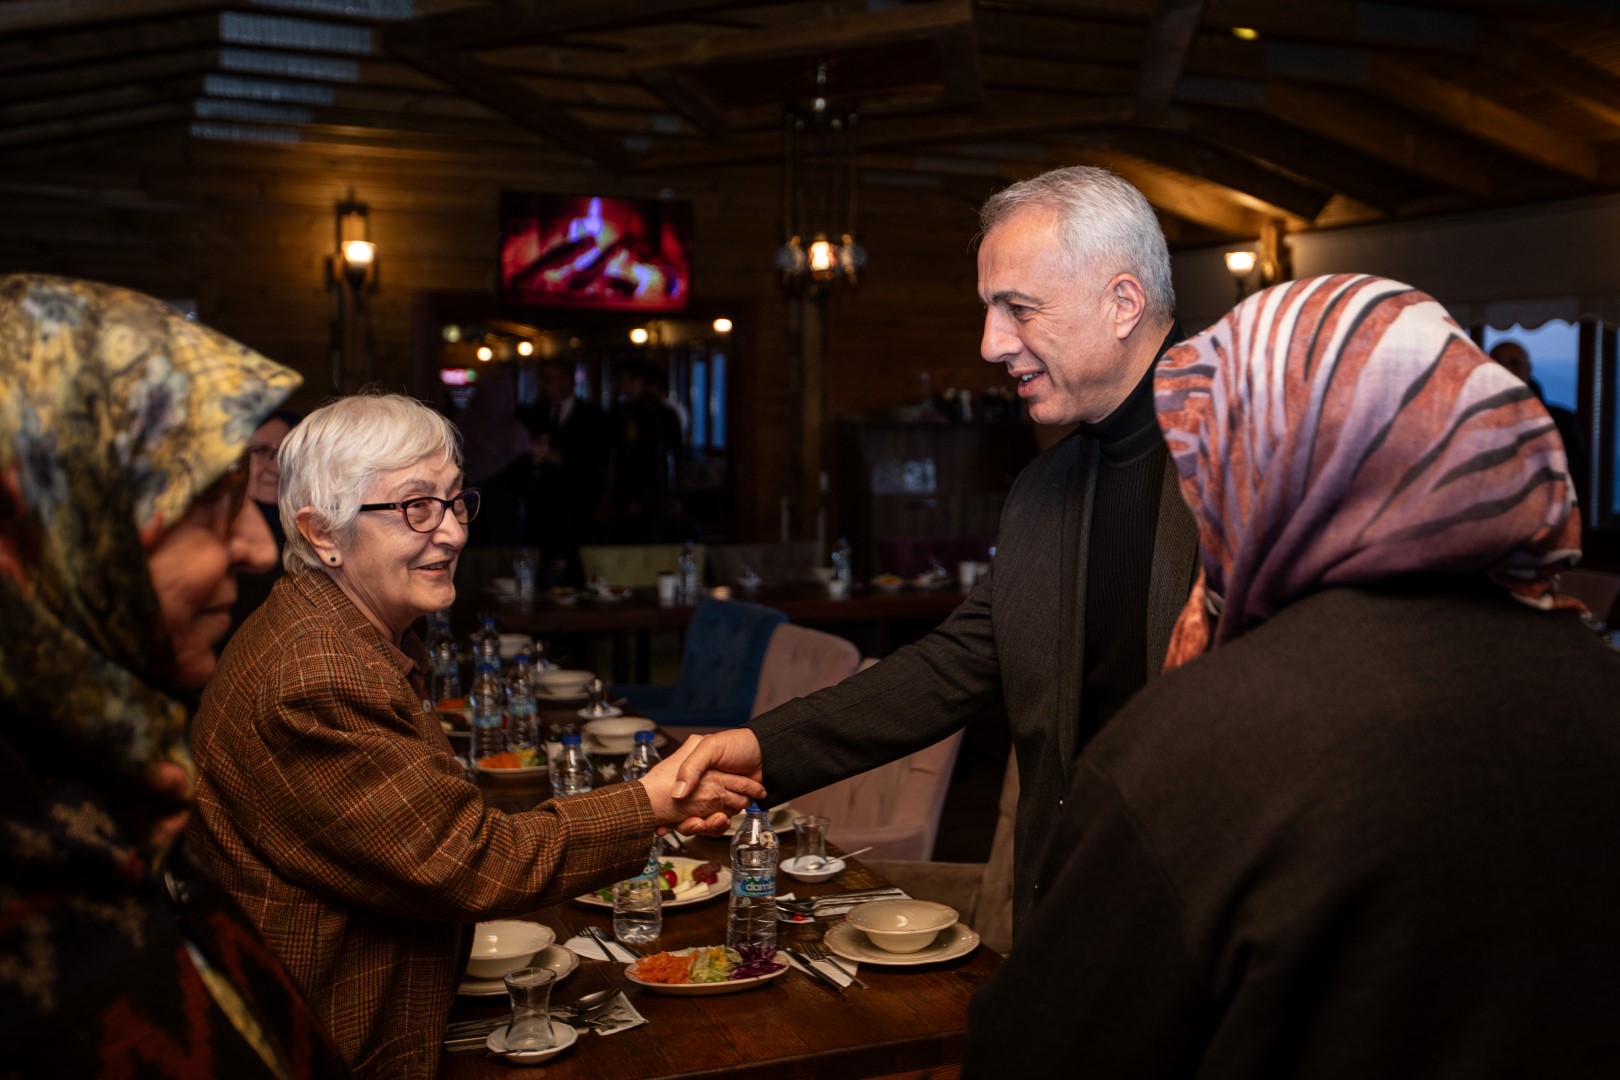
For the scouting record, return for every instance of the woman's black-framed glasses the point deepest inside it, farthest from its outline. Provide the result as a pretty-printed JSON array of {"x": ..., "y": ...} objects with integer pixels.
[{"x": 426, "y": 512}]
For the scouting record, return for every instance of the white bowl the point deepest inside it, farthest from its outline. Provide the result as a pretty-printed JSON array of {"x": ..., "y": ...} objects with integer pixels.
[
  {"x": 901, "y": 926},
  {"x": 566, "y": 682},
  {"x": 616, "y": 733},
  {"x": 506, "y": 945},
  {"x": 512, "y": 644}
]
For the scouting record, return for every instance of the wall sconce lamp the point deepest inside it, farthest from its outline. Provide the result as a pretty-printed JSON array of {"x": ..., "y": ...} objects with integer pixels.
[
  {"x": 351, "y": 272},
  {"x": 356, "y": 260},
  {"x": 1240, "y": 264}
]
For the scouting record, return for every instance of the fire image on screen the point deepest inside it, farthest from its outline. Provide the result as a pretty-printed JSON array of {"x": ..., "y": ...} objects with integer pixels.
[{"x": 592, "y": 251}]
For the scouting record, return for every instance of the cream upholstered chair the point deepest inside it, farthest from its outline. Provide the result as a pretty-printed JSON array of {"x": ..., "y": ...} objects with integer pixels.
[
  {"x": 633, "y": 565},
  {"x": 800, "y": 661},
  {"x": 895, "y": 808},
  {"x": 981, "y": 893}
]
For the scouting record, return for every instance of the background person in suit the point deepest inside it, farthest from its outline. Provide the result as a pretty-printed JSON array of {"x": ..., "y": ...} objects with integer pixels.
[
  {"x": 1096, "y": 553},
  {"x": 570, "y": 461},
  {"x": 1363, "y": 827}
]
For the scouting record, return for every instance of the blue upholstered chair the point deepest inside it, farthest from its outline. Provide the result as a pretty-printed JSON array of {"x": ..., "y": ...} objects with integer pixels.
[{"x": 725, "y": 647}]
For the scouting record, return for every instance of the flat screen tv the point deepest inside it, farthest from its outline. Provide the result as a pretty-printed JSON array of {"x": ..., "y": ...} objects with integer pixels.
[{"x": 593, "y": 251}]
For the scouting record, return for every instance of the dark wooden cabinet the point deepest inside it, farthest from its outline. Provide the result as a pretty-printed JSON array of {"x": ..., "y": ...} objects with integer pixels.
[{"x": 906, "y": 490}]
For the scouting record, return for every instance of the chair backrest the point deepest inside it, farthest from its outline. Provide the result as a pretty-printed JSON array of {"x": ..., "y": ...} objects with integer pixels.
[
  {"x": 800, "y": 661},
  {"x": 894, "y": 807},
  {"x": 1599, "y": 590},
  {"x": 633, "y": 565},
  {"x": 776, "y": 564},
  {"x": 724, "y": 651}
]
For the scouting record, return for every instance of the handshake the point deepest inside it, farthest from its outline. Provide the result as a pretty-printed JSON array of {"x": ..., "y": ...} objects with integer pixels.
[{"x": 711, "y": 777}]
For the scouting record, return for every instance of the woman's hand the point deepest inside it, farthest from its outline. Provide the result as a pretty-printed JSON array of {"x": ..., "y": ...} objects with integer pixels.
[{"x": 710, "y": 798}]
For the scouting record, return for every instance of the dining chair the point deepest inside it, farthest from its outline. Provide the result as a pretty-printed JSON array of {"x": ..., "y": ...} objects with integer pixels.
[
  {"x": 894, "y": 808},
  {"x": 800, "y": 661},
  {"x": 981, "y": 893},
  {"x": 720, "y": 668},
  {"x": 633, "y": 565}
]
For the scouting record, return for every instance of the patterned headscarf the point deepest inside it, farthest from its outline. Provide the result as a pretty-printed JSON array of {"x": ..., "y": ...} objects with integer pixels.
[
  {"x": 1342, "y": 431},
  {"x": 115, "y": 413}
]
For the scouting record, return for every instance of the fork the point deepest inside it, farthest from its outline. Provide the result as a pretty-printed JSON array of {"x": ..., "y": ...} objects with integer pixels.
[{"x": 815, "y": 951}]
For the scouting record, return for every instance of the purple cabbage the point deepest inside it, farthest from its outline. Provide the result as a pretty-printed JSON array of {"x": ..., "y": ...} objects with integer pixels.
[{"x": 757, "y": 961}]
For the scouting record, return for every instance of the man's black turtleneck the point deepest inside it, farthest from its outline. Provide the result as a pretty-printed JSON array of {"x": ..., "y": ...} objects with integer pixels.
[{"x": 1119, "y": 561}]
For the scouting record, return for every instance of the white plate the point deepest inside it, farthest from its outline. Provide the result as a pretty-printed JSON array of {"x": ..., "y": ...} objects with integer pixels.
[
  {"x": 521, "y": 770},
  {"x": 611, "y": 712},
  {"x": 730, "y": 986},
  {"x": 832, "y": 868},
  {"x": 562, "y": 1037},
  {"x": 954, "y": 941},
  {"x": 542, "y": 695},
  {"x": 558, "y": 959},
  {"x": 718, "y": 888}
]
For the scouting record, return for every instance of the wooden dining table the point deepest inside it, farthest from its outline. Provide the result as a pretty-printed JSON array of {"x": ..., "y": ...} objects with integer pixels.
[
  {"x": 894, "y": 616},
  {"x": 911, "y": 1021}
]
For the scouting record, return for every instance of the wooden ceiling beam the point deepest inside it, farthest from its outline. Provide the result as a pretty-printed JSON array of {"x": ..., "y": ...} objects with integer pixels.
[
  {"x": 94, "y": 45},
  {"x": 510, "y": 96},
  {"x": 1515, "y": 48},
  {"x": 1169, "y": 40},
  {"x": 170, "y": 113},
  {"x": 28, "y": 16},
  {"x": 1194, "y": 202},
  {"x": 1299, "y": 152},
  {"x": 520, "y": 20},
  {"x": 1269, "y": 191},
  {"x": 133, "y": 69},
  {"x": 118, "y": 97}
]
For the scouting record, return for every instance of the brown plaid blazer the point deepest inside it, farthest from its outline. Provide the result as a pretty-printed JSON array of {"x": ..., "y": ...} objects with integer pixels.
[{"x": 328, "y": 806}]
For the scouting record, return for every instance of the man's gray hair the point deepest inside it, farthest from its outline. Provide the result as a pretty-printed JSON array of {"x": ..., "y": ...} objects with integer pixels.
[
  {"x": 329, "y": 461},
  {"x": 1103, "y": 222}
]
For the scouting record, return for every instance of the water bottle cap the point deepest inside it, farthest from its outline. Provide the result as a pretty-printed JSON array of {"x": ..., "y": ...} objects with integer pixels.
[
  {"x": 753, "y": 808},
  {"x": 571, "y": 738},
  {"x": 488, "y": 665},
  {"x": 644, "y": 736}
]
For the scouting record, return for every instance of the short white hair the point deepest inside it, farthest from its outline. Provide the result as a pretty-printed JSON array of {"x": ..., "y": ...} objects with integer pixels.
[
  {"x": 329, "y": 461},
  {"x": 1103, "y": 221}
]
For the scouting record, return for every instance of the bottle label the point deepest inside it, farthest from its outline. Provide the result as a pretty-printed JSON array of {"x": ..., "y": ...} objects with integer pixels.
[{"x": 753, "y": 887}]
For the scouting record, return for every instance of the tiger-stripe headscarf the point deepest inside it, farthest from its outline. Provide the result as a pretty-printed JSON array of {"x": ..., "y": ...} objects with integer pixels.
[{"x": 1342, "y": 431}]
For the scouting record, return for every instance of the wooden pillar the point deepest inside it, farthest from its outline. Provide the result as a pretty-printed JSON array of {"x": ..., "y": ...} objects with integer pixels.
[{"x": 807, "y": 329}]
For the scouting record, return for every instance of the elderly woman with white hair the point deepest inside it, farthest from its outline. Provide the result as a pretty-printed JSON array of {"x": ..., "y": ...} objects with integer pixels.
[{"x": 329, "y": 802}]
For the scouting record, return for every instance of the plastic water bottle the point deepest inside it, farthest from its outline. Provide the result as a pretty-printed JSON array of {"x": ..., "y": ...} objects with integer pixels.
[
  {"x": 488, "y": 712},
  {"x": 843, "y": 560},
  {"x": 643, "y": 756},
  {"x": 571, "y": 772},
  {"x": 486, "y": 642},
  {"x": 691, "y": 583},
  {"x": 752, "y": 918},
  {"x": 638, "y": 908},
  {"x": 445, "y": 683},
  {"x": 522, "y": 714}
]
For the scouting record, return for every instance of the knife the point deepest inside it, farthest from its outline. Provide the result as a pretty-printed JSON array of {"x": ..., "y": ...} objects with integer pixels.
[
  {"x": 812, "y": 969},
  {"x": 601, "y": 943},
  {"x": 854, "y": 894}
]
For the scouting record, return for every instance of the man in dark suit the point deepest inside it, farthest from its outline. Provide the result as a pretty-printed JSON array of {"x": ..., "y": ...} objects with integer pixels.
[
  {"x": 570, "y": 438},
  {"x": 1096, "y": 553}
]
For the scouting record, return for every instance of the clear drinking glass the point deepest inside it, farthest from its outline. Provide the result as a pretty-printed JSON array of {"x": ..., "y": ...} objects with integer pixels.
[
  {"x": 530, "y": 992},
  {"x": 638, "y": 909},
  {"x": 810, "y": 837}
]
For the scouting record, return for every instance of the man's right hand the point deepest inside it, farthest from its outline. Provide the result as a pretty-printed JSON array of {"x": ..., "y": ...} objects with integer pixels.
[{"x": 735, "y": 750}]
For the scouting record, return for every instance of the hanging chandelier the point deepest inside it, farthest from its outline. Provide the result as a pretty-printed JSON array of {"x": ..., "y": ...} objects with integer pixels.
[{"x": 819, "y": 197}]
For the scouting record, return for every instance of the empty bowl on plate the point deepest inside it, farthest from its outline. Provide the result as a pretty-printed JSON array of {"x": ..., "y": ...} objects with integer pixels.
[
  {"x": 506, "y": 945},
  {"x": 901, "y": 926},
  {"x": 616, "y": 733},
  {"x": 513, "y": 644},
  {"x": 566, "y": 682}
]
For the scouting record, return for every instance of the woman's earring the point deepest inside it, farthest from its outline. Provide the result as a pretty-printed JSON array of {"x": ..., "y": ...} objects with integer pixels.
[{"x": 334, "y": 560}]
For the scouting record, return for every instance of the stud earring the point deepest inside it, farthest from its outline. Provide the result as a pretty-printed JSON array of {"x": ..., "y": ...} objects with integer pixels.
[{"x": 334, "y": 560}]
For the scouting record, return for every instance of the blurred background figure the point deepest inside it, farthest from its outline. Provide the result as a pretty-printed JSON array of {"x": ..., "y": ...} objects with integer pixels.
[
  {"x": 645, "y": 449},
  {"x": 1516, "y": 358},
  {"x": 123, "y": 518},
  {"x": 500, "y": 460},
  {"x": 570, "y": 438},
  {"x": 264, "y": 475},
  {"x": 1350, "y": 831}
]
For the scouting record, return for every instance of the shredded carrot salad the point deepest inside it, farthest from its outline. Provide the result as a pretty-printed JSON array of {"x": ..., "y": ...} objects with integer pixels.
[
  {"x": 503, "y": 760},
  {"x": 663, "y": 968}
]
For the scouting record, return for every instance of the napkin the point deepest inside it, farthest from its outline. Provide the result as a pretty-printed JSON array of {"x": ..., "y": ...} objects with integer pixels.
[
  {"x": 827, "y": 968},
  {"x": 587, "y": 946},
  {"x": 620, "y": 1016}
]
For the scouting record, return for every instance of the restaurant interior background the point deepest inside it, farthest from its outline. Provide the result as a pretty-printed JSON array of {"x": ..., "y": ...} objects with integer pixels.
[{"x": 219, "y": 154}]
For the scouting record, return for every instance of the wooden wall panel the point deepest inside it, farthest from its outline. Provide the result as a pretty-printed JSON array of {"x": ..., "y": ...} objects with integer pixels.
[{"x": 245, "y": 231}]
